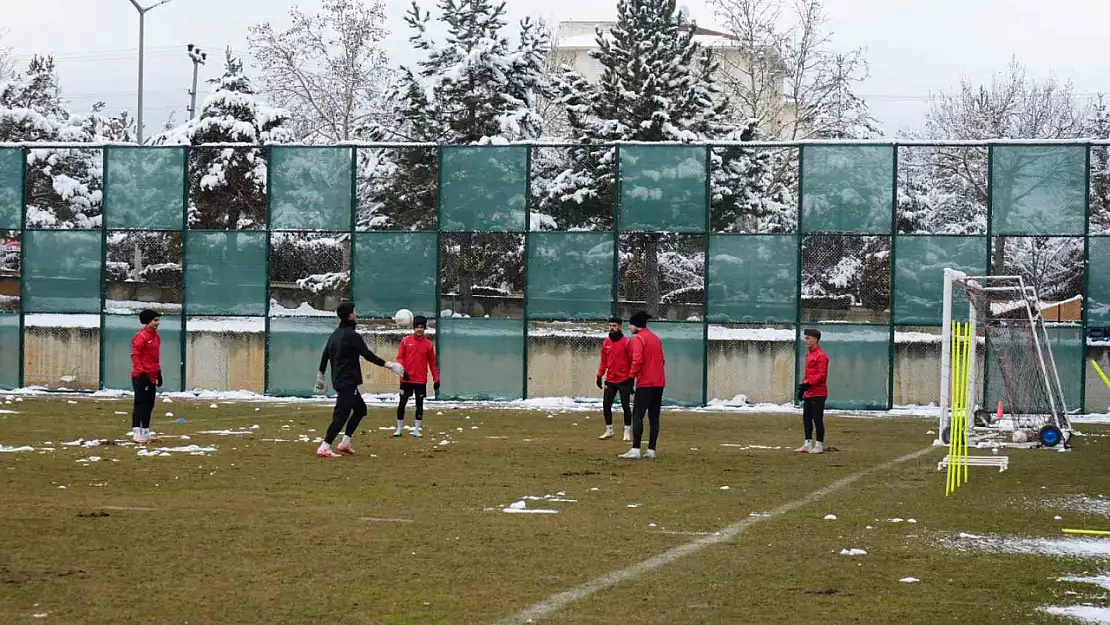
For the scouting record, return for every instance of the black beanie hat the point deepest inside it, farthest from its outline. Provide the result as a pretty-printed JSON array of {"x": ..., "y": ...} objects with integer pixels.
[
  {"x": 639, "y": 319},
  {"x": 420, "y": 321},
  {"x": 148, "y": 315}
]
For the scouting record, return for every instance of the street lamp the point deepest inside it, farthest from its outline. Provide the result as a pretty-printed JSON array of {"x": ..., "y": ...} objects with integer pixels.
[
  {"x": 142, "y": 34},
  {"x": 198, "y": 57}
]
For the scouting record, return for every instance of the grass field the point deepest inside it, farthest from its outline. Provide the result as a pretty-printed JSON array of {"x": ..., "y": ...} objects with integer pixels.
[{"x": 411, "y": 530}]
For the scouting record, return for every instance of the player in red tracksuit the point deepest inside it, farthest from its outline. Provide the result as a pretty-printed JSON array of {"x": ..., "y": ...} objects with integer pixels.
[
  {"x": 649, "y": 371},
  {"x": 615, "y": 368},
  {"x": 416, "y": 354},
  {"x": 813, "y": 391},
  {"x": 146, "y": 374}
]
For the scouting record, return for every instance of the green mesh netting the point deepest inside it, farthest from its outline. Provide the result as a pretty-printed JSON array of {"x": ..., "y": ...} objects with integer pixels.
[
  {"x": 225, "y": 273},
  {"x": 684, "y": 353},
  {"x": 394, "y": 270},
  {"x": 663, "y": 189},
  {"x": 116, "y": 349},
  {"x": 1098, "y": 281},
  {"x": 11, "y": 188},
  {"x": 919, "y": 266},
  {"x": 9, "y": 351},
  {"x": 481, "y": 359},
  {"x": 145, "y": 188},
  {"x": 859, "y": 364},
  {"x": 847, "y": 188},
  {"x": 293, "y": 354},
  {"x": 570, "y": 275},
  {"x": 483, "y": 188},
  {"x": 311, "y": 188},
  {"x": 753, "y": 279},
  {"x": 61, "y": 271},
  {"x": 1067, "y": 350},
  {"x": 1038, "y": 190}
]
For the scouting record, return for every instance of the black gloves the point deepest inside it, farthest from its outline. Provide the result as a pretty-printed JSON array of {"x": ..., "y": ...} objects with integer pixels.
[
  {"x": 435, "y": 386},
  {"x": 159, "y": 378},
  {"x": 599, "y": 381},
  {"x": 405, "y": 377},
  {"x": 802, "y": 388}
]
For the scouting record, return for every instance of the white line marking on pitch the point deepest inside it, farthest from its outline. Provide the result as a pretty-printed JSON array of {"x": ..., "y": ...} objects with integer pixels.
[
  {"x": 127, "y": 508},
  {"x": 559, "y": 601},
  {"x": 371, "y": 519}
]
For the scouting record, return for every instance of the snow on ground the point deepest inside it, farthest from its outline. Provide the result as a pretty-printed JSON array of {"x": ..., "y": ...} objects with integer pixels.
[
  {"x": 1082, "y": 613},
  {"x": 1079, "y": 503},
  {"x": 1059, "y": 547},
  {"x": 192, "y": 450},
  {"x": 1093, "y": 418},
  {"x": 12, "y": 450},
  {"x": 1102, "y": 581}
]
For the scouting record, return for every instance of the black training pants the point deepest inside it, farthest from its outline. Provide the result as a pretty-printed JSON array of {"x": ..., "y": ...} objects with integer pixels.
[
  {"x": 647, "y": 401},
  {"x": 611, "y": 390},
  {"x": 409, "y": 389},
  {"x": 813, "y": 416},
  {"x": 144, "y": 401},
  {"x": 349, "y": 411}
]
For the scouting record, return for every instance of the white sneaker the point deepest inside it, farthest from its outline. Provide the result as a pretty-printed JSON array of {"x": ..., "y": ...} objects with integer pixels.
[
  {"x": 398, "y": 433},
  {"x": 818, "y": 448},
  {"x": 608, "y": 434},
  {"x": 631, "y": 454},
  {"x": 627, "y": 434},
  {"x": 651, "y": 454},
  {"x": 804, "y": 448},
  {"x": 416, "y": 433}
]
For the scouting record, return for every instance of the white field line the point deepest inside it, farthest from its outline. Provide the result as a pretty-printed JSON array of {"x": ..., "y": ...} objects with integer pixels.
[
  {"x": 557, "y": 602},
  {"x": 370, "y": 519}
]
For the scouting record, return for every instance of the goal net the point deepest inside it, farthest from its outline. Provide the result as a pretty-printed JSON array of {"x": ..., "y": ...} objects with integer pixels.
[{"x": 1013, "y": 350}]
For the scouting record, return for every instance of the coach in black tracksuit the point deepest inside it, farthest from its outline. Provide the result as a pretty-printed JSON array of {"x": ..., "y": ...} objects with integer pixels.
[{"x": 345, "y": 347}]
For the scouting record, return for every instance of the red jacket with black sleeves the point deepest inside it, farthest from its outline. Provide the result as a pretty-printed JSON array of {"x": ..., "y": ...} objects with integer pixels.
[
  {"x": 648, "y": 363},
  {"x": 417, "y": 355},
  {"x": 616, "y": 360},
  {"x": 146, "y": 351},
  {"x": 817, "y": 373}
]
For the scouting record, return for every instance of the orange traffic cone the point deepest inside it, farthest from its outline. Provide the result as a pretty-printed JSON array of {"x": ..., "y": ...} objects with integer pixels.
[{"x": 998, "y": 413}]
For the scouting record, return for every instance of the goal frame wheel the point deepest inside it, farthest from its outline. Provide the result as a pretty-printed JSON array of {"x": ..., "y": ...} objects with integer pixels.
[{"x": 1050, "y": 436}]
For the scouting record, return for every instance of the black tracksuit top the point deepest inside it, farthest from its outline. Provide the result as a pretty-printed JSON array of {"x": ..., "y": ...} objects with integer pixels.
[{"x": 344, "y": 348}]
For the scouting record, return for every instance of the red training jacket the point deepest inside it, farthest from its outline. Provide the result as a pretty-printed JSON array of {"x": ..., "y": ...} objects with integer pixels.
[
  {"x": 416, "y": 355},
  {"x": 817, "y": 373},
  {"x": 146, "y": 351},
  {"x": 616, "y": 360},
  {"x": 648, "y": 363}
]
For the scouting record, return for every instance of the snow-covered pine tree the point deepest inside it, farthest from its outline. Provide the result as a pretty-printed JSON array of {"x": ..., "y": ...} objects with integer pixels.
[
  {"x": 227, "y": 186},
  {"x": 1100, "y": 168},
  {"x": 63, "y": 188},
  {"x": 747, "y": 194}
]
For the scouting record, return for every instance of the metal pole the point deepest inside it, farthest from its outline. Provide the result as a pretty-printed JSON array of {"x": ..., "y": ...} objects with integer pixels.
[
  {"x": 193, "y": 92},
  {"x": 142, "y": 37}
]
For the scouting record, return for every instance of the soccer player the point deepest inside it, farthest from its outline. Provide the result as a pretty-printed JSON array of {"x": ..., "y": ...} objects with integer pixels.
[
  {"x": 345, "y": 346},
  {"x": 416, "y": 354},
  {"x": 146, "y": 374},
  {"x": 616, "y": 362},
  {"x": 649, "y": 371},
  {"x": 813, "y": 391}
]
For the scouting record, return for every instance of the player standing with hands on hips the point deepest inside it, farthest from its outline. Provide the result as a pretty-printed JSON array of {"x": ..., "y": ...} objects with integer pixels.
[
  {"x": 146, "y": 373},
  {"x": 648, "y": 369},
  {"x": 813, "y": 391},
  {"x": 416, "y": 354},
  {"x": 345, "y": 347},
  {"x": 615, "y": 367}
]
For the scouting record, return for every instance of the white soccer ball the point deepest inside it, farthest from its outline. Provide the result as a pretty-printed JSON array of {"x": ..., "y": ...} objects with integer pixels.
[
  {"x": 403, "y": 318},
  {"x": 1020, "y": 436}
]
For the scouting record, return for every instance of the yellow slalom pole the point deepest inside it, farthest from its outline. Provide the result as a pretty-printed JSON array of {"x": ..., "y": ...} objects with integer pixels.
[
  {"x": 969, "y": 345},
  {"x": 1105, "y": 380},
  {"x": 952, "y": 375},
  {"x": 1088, "y": 532}
]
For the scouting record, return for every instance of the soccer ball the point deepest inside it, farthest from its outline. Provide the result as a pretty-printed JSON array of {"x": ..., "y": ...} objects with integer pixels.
[
  {"x": 403, "y": 318},
  {"x": 1020, "y": 436}
]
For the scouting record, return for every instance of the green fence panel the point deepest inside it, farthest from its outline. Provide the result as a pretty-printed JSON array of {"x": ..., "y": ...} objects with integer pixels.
[
  {"x": 11, "y": 188},
  {"x": 684, "y": 354},
  {"x": 61, "y": 270},
  {"x": 394, "y": 270},
  {"x": 145, "y": 188},
  {"x": 919, "y": 265},
  {"x": 752, "y": 279},
  {"x": 663, "y": 189},
  {"x": 311, "y": 188},
  {"x": 115, "y": 346},
  {"x": 293, "y": 354},
  {"x": 1067, "y": 350},
  {"x": 1098, "y": 281},
  {"x": 570, "y": 275},
  {"x": 1038, "y": 190},
  {"x": 225, "y": 273},
  {"x": 847, "y": 188},
  {"x": 859, "y": 364},
  {"x": 483, "y": 189},
  {"x": 9, "y": 351},
  {"x": 481, "y": 359}
]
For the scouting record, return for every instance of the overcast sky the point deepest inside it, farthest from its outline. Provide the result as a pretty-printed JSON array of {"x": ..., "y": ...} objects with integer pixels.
[{"x": 915, "y": 47}]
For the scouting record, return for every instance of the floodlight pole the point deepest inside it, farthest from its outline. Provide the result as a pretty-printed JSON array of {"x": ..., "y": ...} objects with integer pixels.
[
  {"x": 142, "y": 39},
  {"x": 198, "y": 57}
]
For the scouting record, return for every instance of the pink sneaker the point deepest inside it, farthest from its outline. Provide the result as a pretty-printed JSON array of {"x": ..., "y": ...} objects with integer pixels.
[
  {"x": 344, "y": 448},
  {"x": 326, "y": 453}
]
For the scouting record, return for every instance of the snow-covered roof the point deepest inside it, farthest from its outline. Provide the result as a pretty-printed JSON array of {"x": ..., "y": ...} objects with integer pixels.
[
  {"x": 1001, "y": 308},
  {"x": 703, "y": 36}
]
